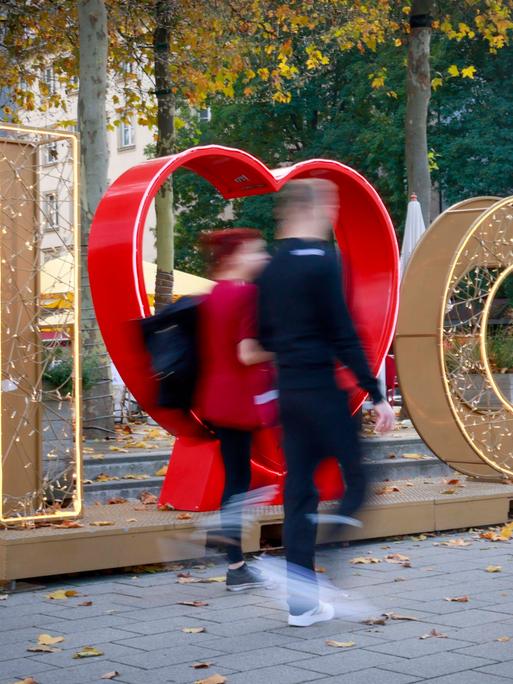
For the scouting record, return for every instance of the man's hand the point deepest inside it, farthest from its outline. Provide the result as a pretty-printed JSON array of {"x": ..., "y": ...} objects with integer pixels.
[{"x": 385, "y": 417}]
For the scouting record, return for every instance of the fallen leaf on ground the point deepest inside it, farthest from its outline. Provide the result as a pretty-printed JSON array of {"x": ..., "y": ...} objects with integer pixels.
[
  {"x": 161, "y": 472},
  {"x": 387, "y": 489},
  {"x": 414, "y": 457},
  {"x": 116, "y": 448},
  {"x": 396, "y": 558},
  {"x": 110, "y": 675},
  {"x": 434, "y": 634},
  {"x": 66, "y": 524},
  {"x": 166, "y": 507},
  {"x": 213, "y": 679},
  {"x": 453, "y": 543},
  {"x": 101, "y": 523},
  {"x": 86, "y": 603},
  {"x": 457, "y": 599},
  {"x": 364, "y": 560},
  {"x": 320, "y": 569},
  {"x": 195, "y": 604},
  {"x": 507, "y": 531},
  {"x": 3, "y": 597},
  {"x": 494, "y": 568},
  {"x": 62, "y": 594},
  {"x": 340, "y": 644},
  {"x": 381, "y": 620},
  {"x": 117, "y": 500},
  {"x": 397, "y": 616},
  {"x": 131, "y": 519},
  {"x": 88, "y": 652},
  {"x": 503, "y": 639},
  {"x": 42, "y": 648},
  {"x": 201, "y": 666},
  {"x": 139, "y": 445},
  {"x": 194, "y": 630},
  {"x": 27, "y": 680},
  {"x": 136, "y": 476},
  {"x": 220, "y": 578},
  {"x": 391, "y": 456},
  {"x": 184, "y": 516},
  {"x": 148, "y": 498},
  {"x": 103, "y": 477},
  {"x": 48, "y": 640},
  {"x": 449, "y": 491},
  {"x": 452, "y": 482}
]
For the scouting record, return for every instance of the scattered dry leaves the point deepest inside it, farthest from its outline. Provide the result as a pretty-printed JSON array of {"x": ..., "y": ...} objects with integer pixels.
[
  {"x": 88, "y": 652},
  {"x": 200, "y": 666},
  {"x": 503, "y": 639},
  {"x": 117, "y": 500},
  {"x": 414, "y": 457},
  {"x": 161, "y": 472},
  {"x": 110, "y": 675},
  {"x": 194, "y": 630},
  {"x": 381, "y": 620},
  {"x": 86, "y": 603},
  {"x": 494, "y": 568},
  {"x": 457, "y": 599},
  {"x": 101, "y": 523},
  {"x": 117, "y": 448},
  {"x": 184, "y": 516}
]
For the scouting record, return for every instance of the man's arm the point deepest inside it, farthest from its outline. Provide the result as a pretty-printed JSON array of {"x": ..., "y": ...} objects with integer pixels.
[{"x": 339, "y": 327}]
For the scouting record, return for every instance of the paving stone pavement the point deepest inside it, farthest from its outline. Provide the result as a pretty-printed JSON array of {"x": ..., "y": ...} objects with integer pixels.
[{"x": 136, "y": 621}]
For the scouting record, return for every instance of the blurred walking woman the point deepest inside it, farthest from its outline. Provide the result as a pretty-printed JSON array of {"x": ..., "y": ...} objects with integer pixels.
[{"x": 232, "y": 368}]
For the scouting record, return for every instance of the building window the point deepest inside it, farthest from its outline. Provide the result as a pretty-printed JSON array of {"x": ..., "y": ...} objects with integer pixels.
[
  {"x": 205, "y": 115},
  {"x": 126, "y": 135},
  {"x": 50, "y": 210},
  {"x": 49, "y": 79},
  {"x": 50, "y": 153}
]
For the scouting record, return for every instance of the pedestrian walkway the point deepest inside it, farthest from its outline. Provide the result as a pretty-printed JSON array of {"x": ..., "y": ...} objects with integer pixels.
[{"x": 443, "y": 613}]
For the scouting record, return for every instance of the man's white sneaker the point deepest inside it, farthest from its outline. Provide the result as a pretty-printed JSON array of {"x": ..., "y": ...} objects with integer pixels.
[{"x": 322, "y": 613}]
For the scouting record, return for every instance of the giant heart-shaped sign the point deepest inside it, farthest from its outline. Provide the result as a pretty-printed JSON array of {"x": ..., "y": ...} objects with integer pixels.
[{"x": 364, "y": 233}]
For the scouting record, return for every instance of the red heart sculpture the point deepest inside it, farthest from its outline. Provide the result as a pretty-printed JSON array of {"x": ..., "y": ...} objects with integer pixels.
[{"x": 366, "y": 238}]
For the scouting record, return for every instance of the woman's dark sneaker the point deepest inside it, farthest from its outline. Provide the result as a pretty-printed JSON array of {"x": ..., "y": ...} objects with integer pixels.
[{"x": 245, "y": 578}]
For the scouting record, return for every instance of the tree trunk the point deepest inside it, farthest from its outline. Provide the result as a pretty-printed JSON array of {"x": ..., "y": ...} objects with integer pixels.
[
  {"x": 98, "y": 408},
  {"x": 418, "y": 88},
  {"x": 165, "y": 18}
]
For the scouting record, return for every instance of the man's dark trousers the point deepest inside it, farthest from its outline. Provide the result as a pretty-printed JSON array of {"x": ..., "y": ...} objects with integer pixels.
[{"x": 316, "y": 424}]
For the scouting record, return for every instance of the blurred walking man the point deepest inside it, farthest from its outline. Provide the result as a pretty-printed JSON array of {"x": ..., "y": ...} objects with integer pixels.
[{"x": 304, "y": 320}]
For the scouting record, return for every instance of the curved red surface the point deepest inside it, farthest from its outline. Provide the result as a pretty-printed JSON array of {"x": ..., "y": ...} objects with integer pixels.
[{"x": 363, "y": 231}]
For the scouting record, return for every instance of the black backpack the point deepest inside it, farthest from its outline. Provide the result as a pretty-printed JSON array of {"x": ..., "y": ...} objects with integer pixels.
[{"x": 170, "y": 338}]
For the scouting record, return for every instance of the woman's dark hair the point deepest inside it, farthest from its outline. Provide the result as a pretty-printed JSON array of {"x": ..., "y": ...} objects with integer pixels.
[{"x": 220, "y": 244}]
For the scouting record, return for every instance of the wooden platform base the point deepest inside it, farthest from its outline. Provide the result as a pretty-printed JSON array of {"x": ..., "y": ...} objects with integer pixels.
[{"x": 136, "y": 537}]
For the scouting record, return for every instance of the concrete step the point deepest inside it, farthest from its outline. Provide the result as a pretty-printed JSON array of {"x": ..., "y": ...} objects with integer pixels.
[
  {"x": 128, "y": 489},
  {"x": 385, "y": 459},
  {"x": 134, "y": 462}
]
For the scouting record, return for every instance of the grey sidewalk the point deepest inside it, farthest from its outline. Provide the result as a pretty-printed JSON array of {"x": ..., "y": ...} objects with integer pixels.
[{"x": 137, "y": 622}]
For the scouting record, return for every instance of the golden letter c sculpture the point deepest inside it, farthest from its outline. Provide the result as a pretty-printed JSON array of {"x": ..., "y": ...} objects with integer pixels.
[{"x": 448, "y": 291}]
